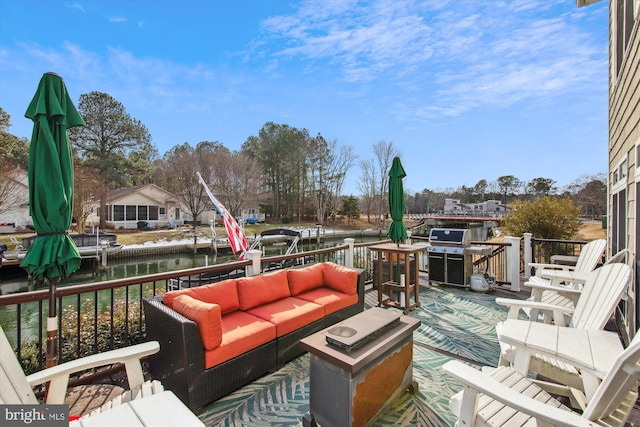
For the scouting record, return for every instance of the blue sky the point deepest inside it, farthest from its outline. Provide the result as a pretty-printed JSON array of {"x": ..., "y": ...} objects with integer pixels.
[{"x": 465, "y": 89}]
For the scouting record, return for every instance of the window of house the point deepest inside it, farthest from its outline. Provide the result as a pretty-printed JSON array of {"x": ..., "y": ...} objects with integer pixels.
[
  {"x": 153, "y": 213},
  {"x": 162, "y": 211},
  {"x": 118, "y": 212},
  {"x": 619, "y": 214},
  {"x": 143, "y": 213},
  {"x": 623, "y": 169},
  {"x": 618, "y": 223},
  {"x": 625, "y": 13},
  {"x": 130, "y": 213},
  {"x": 177, "y": 213}
]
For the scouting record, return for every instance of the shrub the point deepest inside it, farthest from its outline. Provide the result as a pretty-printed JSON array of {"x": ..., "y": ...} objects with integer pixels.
[
  {"x": 545, "y": 218},
  {"x": 95, "y": 333}
]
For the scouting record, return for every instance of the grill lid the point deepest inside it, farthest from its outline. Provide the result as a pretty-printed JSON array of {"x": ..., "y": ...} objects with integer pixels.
[{"x": 450, "y": 237}]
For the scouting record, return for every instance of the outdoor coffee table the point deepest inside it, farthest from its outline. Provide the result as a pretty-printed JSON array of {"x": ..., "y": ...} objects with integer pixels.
[{"x": 353, "y": 388}]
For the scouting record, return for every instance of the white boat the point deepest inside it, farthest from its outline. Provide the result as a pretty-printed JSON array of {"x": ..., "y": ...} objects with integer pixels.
[{"x": 89, "y": 246}]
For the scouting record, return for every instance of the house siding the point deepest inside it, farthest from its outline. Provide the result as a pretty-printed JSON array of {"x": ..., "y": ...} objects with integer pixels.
[{"x": 624, "y": 137}]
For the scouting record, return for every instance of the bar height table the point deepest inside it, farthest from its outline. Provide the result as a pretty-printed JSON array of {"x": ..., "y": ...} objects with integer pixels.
[{"x": 410, "y": 287}]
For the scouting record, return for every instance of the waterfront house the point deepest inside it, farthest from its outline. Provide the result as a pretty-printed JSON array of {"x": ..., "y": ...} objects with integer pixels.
[
  {"x": 489, "y": 207},
  {"x": 148, "y": 203}
]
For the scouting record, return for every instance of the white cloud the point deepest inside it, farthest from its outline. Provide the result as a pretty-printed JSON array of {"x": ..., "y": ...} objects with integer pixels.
[
  {"x": 461, "y": 55},
  {"x": 76, "y": 6},
  {"x": 117, "y": 19}
]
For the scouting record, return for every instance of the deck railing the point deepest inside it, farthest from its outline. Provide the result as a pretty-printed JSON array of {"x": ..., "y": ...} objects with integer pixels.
[{"x": 101, "y": 316}]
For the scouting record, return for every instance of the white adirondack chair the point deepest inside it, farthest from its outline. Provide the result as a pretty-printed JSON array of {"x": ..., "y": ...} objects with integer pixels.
[
  {"x": 503, "y": 397},
  {"x": 601, "y": 293},
  {"x": 588, "y": 259},
  {"x": 16, "y": 387},
  {"x": 562, "y": 288},
  {"x": 557, "y": 278}
]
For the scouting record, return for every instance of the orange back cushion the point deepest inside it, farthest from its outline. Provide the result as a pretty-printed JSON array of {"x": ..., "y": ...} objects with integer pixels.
[
  {"x": 224, "y": 293},
  {"x": 305, "y": 279},
  {"x": 340, "y": 278},
  {"x": 207, "y": 316},
  {"x": 262, "y": 289}
]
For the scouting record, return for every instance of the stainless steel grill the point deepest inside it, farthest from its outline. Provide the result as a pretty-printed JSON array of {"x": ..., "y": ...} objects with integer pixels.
[{"x": 450, "y": 256}]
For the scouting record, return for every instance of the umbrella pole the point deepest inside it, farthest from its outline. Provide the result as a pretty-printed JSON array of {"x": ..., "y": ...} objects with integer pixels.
[{"x": 52, "y": 327}]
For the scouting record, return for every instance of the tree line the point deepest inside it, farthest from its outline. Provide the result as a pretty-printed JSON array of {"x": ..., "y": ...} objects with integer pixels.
[{"x": 283, "y": 171}]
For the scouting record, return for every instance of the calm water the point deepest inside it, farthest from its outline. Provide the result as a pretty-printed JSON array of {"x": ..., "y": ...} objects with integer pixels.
[{"x": 14, "y": 279}]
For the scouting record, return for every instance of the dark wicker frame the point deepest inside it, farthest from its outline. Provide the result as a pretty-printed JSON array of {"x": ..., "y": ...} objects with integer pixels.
[{"x": 179, "y": 364}]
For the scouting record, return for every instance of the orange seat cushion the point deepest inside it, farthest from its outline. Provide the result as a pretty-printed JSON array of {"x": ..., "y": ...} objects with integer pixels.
[
  {"x": 224, "y": 293},
  {"x": 207, "y": 316},
  {"x": 262, "y": 289},
  {"x": 340, "y": 278},
  {"x": 305, "y": 279},
  {"x": 241, "y": 332},
  {"x": 289, "y": 314},
  {"x": 330, "y": 299}
]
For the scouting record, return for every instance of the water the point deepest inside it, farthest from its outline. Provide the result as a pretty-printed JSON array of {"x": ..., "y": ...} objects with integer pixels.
[{"x": 14, "y": 279}]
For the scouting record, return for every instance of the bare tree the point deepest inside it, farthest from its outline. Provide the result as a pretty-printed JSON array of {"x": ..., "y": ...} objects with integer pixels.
[
  {"x": 11, "y": 181},
  {"x": 178, "y": 170},
  {"x": 384, "y": 152},
  {"x": 328, "y": 165},
  {"x": 367, "y": 186},
  {"x": 237, "y": 180},
  {"x": 86, "y": 185}
]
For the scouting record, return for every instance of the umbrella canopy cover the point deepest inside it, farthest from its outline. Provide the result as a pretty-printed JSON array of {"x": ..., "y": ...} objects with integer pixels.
[
  {"x": 397, "y": 231},
  {"x": 53, "y": 253}
]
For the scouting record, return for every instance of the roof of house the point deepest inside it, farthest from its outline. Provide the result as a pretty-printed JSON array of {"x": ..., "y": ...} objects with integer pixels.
[{"x": 120, "y": 193}]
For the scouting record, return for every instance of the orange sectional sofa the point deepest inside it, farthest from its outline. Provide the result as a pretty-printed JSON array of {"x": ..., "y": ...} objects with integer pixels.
[{"x": 216, "y": 338}]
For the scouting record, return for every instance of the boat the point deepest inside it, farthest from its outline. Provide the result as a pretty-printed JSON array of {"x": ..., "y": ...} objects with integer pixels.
[
  {"x": 89, "y": 246},
  {"x": 269, "y": 237}
]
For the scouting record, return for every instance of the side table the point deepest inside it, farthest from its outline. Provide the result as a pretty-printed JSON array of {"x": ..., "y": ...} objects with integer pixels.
[
  {"x": 407, "y": 287},
  {"x": 353, "y": 388}
]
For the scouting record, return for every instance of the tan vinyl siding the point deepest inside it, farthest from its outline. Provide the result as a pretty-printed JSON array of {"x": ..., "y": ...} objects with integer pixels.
[{"x": 624, "y": 133}]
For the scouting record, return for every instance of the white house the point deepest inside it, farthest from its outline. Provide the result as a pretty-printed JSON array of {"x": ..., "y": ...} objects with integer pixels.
[
  {"x": 149, "y": 203},
  {"x": 489, "y": 207},
  {"x": 14, "y": 213}
]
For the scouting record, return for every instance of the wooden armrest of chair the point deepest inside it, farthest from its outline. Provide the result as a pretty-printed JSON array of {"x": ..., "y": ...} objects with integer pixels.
[
  {"x": 540, "y": 267},
  {"x": 58, "y": 375},
  {"x": 539, "y": 287},
  {"x": 565, "y": 276},
  {"x": 515, "y": 306},
  {"x": 475, "y": 382}
]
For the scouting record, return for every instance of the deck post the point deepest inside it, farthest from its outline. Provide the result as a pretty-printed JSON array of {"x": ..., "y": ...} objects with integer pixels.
[
  {"x": 528, "y": 250},
  {"x": 254, "y": 269},
  {"x": 349, "y": 253},
  {"x": 513, "y": 262}
]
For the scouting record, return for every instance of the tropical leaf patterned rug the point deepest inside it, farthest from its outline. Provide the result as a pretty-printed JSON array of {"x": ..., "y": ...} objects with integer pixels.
[{"x": 456, "y": 323}]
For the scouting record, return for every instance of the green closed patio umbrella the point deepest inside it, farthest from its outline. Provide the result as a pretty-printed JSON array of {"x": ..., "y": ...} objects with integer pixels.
[
  {"x": 397, "y": 232},
  {"x": 53, "y": 255}
]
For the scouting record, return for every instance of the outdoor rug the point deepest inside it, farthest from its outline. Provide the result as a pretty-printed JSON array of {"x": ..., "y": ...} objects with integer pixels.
[{"x": 456, "y": 324}]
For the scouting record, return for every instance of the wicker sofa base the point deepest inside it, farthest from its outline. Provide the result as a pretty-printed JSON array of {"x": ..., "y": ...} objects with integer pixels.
[{"x": 180, "y": 362}]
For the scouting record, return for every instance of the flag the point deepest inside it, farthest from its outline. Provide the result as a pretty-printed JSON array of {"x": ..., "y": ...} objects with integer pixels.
[{"x": 237, "y": 239}]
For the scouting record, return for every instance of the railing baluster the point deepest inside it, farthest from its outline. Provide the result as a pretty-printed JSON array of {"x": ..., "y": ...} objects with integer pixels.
[{"x": 89, "y": 340}]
